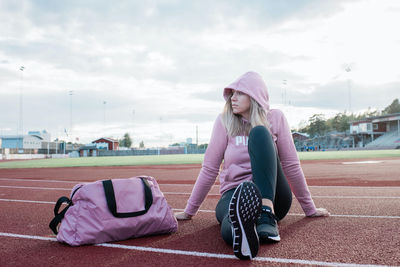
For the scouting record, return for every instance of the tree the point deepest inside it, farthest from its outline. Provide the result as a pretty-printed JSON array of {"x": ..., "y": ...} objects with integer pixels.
[
  {"x": 367, "y": 114},
  {"x": 126, "y": 142},
  {"x": 141, "y": 145},
  {"x": 203, "y": 146},
  {"x": 302, "y": 125},
  {"x": 392, "y": 108},
  {"x": 317, "y": 125},
  {"x": 339, "y": 123}
]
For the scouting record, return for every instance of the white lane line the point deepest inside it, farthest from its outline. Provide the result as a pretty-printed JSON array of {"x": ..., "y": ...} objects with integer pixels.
[
  {"x": 191, "y": 185},
  {"x": 201, "y": 254},
  {"x": 356, "y": 187},
  {"x": 353, "y": 216},
  {"x": 32, "y": 187},
  {"x": 362, "y": 162},
  {"x": 78, "y": 182},
  {"x": 213, "y": 211},
  {"x": 313, "y": 196},
  {"x": 28, "y": 236},
  {"x": 374, "y": 197},
  {"x": 332, "y": 215},
  {"x": 34, "y": 180},
  {"x": 69, "y": 189},
  {"x": 187, "y": 194},
  {"x": 27, "y": 201}
]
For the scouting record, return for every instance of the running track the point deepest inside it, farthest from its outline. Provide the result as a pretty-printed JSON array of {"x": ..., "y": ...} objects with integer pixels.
[{"x": 364, "y": 229}]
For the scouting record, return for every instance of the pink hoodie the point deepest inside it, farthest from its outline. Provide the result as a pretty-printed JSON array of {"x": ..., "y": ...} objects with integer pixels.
[{"x": 233, "y": 151}]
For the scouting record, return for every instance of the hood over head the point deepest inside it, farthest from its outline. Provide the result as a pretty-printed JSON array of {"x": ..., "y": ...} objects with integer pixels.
[{"x": 252, "y": 84}]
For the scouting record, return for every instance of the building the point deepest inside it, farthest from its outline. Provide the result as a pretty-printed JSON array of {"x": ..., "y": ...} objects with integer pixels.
[
  {"x": 300, "y": 136},
  {"x": 106, "y": 143},
  {"x": 369, "y": 129},
  {"x": 300, "y": 140},
  {"x": 88, "y": 151},
  {"x": 21, "y": 143},
  {"x": 43, "y": 134},
  {"x": 101, "y": 144},
  {"x": 33, "y": 140}
]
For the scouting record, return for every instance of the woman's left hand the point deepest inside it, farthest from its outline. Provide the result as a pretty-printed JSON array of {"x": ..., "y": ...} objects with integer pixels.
[{"x": 321, "y": 212}]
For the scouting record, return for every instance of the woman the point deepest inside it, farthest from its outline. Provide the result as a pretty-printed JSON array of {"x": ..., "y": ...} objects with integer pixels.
[{"x": 260, "y": 169}]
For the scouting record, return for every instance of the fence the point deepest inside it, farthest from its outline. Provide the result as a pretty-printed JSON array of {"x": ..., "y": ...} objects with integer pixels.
[
  {"x": 56, "y": 153},
  {"x": 144, "y": 152}
]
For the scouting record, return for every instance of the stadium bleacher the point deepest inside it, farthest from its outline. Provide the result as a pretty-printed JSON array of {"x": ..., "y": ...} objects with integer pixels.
[{"x": 388, "y": 140}]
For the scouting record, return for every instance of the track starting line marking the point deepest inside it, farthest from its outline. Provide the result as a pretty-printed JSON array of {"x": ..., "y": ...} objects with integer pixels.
[
  {"x": 212, "y": 211},
  {"x": 200, "y": 254}
]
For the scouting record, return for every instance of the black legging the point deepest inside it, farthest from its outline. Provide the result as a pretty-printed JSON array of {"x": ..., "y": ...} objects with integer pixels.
[{"x": 267, "y": 175}]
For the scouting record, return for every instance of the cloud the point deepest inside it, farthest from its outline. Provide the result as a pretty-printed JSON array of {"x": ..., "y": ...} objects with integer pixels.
[
  {"x": 344, "y": 95},
  {"x": 172, "y": 59}
]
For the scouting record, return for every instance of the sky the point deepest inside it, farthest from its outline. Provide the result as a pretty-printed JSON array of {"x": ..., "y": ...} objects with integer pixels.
[{"x": 157, "y": 69}]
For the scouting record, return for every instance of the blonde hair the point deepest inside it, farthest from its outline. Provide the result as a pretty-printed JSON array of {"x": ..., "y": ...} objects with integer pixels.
[{"x": 233, "y": 123}]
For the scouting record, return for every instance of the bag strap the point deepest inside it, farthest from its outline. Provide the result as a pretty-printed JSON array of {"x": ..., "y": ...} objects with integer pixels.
[
  {"x": 58, "y": 216},
  {"x": 112, "y": 206}
]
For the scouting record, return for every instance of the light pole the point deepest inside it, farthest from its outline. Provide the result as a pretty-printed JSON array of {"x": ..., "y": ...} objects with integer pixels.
[
  {"x": 70, "y": 114},
  {"x": 159, "y": 147},
  {"x": 20, "y": 126},
  {"x": 284, "y": 82},
  {"x": 133, "y": 126},
  {"x": 104, "y": 114},
  {"x": 348, "y": 69},
  {"x": 197, "y": 137}
]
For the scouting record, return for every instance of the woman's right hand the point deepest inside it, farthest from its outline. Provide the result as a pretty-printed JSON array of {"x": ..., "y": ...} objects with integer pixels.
[{"x": 181, "y": 216}]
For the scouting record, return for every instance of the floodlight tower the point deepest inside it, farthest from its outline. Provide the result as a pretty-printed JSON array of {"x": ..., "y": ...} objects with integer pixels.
[
  {"x": 21, "y": 125},
  {"x": 197, "y": 136},
  {"x": 104, "y": 114},
  {"x": 159, "y": 147},
  {"x": 70, "y": 114},
  {"x": 133, "y": 126},
  {"x": 284, "y": 96},
  {"x": 348, "y": 69}
]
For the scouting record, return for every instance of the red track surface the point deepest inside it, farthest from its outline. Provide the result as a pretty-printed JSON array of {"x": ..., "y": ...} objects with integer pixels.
[{"x": 364, "y": 228}]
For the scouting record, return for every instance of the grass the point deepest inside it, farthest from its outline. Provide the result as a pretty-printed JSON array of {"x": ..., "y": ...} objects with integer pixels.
[
  {"x": 106, "y": 161},
  {"x": 352, "y": 154},
  {"x": 181, "y": 159}
]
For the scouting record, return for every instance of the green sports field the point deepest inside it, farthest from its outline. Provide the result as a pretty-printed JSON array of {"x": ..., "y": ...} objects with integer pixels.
[{"x": 181, "y": 159}]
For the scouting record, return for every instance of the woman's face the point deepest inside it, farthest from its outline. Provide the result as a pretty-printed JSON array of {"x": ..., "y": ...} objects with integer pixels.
[{"x": 240, "y": 104}]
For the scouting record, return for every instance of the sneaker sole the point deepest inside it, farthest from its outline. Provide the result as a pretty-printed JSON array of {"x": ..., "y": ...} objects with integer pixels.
[
  {"x": 244, "y": 210},
  {"x": 270, "y": 239},
  {"x": 275, "y": 238}
]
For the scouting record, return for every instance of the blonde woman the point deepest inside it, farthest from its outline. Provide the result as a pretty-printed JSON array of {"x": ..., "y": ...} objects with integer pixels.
[{"x": 260, "y": 170}]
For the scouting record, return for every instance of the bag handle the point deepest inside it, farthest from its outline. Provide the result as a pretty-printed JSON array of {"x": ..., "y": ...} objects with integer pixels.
[
  {"x": 58, "y": 216},
  {"x": 112, "y": 206}
]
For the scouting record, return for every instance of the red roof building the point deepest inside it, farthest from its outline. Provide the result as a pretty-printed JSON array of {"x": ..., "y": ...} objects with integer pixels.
[
  {"x": 111, "y": 144},
  {"x": 300, "y": 136}
]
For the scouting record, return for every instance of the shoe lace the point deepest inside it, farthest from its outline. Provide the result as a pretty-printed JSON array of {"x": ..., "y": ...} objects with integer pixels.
[{"x": 267, "y": 217}]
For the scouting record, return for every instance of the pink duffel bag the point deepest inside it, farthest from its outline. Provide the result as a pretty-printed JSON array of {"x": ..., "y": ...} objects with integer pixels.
[{"x": 113, "y": 210}]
